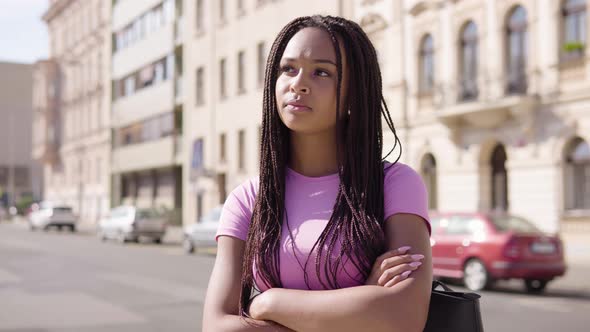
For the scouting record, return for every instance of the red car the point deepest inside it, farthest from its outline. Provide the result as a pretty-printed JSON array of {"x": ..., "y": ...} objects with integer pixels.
[{"x": 480, "y": 248}]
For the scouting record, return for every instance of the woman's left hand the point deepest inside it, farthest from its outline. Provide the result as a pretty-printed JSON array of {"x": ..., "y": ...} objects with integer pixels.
[{"x": 393, "y": 267}]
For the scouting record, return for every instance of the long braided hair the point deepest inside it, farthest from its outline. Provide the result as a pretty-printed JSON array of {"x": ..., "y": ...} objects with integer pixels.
[{"x": 357, "y": 218}]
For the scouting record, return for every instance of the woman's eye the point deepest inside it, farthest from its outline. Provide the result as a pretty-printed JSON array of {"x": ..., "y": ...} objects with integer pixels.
[
  {"x": 287, "y": 69},
  {"x": 322, "y": 73}
]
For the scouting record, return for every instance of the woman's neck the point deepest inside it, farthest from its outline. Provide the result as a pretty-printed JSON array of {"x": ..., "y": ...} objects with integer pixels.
[{"x": 313, "y": 155}]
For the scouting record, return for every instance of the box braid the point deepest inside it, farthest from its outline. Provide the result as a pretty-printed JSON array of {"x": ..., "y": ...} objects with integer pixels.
[{"x": 357, "y": 218}]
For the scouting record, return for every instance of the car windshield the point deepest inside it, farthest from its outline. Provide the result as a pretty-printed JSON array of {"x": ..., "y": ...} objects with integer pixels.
[
  {"x": 212, "y": 216},
  {"x": 148, "y": 213},
  {"x": 508, "y": 223},
  {"x": 62, "y": 209}
]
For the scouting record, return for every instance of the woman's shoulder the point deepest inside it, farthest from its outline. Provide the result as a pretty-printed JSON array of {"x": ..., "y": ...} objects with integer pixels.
[
  {"x": 246, "y": 191},
  {"x": 397, "y": 170},
  {"x": 401, "y": 176}
]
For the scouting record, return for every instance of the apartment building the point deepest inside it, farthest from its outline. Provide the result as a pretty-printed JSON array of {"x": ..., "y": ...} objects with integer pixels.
[
  {"x": 18, "y": 171},
  {"x": 46, "y": 118},
  {"x": 490, "y": 98},
  {"x": 72, "y": 90},
  {"x": 147, "y": 110}
]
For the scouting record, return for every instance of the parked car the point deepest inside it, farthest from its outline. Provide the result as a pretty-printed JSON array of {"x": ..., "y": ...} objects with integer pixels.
[
  {"x": 46, "y": 214},
  {"x": 202, "y": 233},
  {"x": 128, "y": 223},
  {"x": 480, "y": 248}
]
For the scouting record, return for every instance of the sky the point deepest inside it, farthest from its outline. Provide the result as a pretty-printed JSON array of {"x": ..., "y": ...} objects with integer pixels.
[{"x": 23, "y": 34}]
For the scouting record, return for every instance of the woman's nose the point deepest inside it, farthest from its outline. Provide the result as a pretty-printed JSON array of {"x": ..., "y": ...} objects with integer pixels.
[{"x": 299, "y": 84}]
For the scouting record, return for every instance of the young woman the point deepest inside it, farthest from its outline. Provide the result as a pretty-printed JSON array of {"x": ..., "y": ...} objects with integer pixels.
[{"x": 330, "y": 235}]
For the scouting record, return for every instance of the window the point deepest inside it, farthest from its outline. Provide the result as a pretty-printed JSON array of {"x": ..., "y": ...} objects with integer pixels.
[
  {"x": 199, "y": 15},
  {"x": 577, "y": 175},
  {"x": 464, "y": 225},
  {"x": 517, "y": 50},
  {"x": 222, "y": 11},
  {"x": 260, "y": 64},
  {"x": 241, "y": 8},
  {"x": 428, "y": 172},
  {"x": 427, "y": 65},
  {"x": 469, "y": 62},
  {"x": 200, "y": 97},
  {"x": 574, "y": 29},
  {"x": 241, "y": 147},
  {"x": 222, "y": 148},
  {"x": 222, "y": 87},
  {"x": 241, "y": 86},
  {"x": 499, "y": 179}
]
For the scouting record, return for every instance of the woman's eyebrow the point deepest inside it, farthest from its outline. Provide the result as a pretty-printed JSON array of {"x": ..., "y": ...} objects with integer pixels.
[{"x": 314, "y": 60}]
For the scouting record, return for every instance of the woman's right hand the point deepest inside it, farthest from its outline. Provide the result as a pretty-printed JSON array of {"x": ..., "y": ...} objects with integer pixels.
[{"x": 393, "y": 267}]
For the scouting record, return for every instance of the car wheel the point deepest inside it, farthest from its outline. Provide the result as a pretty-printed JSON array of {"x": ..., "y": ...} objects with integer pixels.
[
  {"x": 59, "y": 228},
  {"x": 73, "y": 228},
  {"x": 158, "y": 240},
  {"x": 535, "y": 286},
  {"x": 475, "y": 275},
  {"x": 188, "y": 246}
]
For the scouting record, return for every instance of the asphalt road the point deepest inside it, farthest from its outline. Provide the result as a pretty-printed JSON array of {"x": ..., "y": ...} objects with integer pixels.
[{"x": 52, "y": 281}]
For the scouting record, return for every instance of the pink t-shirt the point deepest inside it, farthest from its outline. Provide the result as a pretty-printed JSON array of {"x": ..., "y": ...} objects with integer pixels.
[{"x": 309, "y": 202}]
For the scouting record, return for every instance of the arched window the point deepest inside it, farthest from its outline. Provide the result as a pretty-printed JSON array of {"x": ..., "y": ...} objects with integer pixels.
[
  {"x": 428, "y": 170},
  {"x": 427, "y": 65},
  {"x": 469, "y": 62},
  {"x": 577, "y": 175},
  {"x": 574, "y": 29},
  {"x": 499, "y": 179},
  {"x": 516, "y": 39}
]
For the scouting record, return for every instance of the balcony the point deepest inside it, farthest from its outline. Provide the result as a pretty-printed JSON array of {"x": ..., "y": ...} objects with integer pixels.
[
  {"x": 143, "y": 104},
  {"x": 484, "y": 104},
  {"x": 148, "y": 50},
  {"x": 143, "y": 156}
]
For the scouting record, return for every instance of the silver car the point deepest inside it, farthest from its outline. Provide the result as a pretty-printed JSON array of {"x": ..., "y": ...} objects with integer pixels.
[
  {"x": 46, "y": 214},
  {"x": 202, "y": 233},
  {"x": 128, "y": 223}
]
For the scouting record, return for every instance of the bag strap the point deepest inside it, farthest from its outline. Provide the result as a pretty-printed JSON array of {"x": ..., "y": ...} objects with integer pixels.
[{"x": 436, "y": 283}]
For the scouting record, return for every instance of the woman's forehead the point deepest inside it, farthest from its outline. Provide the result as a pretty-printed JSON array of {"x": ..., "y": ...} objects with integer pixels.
[{"x": 311, "y": 44}]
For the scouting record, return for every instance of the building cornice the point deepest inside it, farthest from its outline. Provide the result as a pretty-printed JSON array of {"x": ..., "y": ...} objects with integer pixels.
[{"x": 55, "y": 9}]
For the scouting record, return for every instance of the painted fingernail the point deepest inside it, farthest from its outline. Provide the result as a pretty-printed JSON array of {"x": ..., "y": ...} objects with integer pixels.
[
  {"x": 405, "y": 274},
  {"x": 415, "y": 264},
  {"x": 403, "y": 249},
  {"x": 417, "y": 257}
]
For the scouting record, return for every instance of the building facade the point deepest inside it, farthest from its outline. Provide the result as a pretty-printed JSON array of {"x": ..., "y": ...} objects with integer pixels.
[
  {"x": 490, "y": 98},
  {"x": 147, "y": 103},
  {"x": 18, "y": 172},
  {"x": 498, "y": 94},
  {"x": 72, "y": 97}
]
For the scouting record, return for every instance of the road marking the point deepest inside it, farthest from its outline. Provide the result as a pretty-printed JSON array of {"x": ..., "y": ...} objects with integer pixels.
[{"x": 553, "y": 304}]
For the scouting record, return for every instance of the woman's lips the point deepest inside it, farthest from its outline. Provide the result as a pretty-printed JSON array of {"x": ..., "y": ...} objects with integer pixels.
[{"x": 295, "y": 107}]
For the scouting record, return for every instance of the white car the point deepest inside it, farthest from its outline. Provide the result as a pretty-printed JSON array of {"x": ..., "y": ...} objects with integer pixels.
[
  {"x": 46, "y": 215},
  {"x": 202, "y": 233},
  {"x": 128, "y": 223}
]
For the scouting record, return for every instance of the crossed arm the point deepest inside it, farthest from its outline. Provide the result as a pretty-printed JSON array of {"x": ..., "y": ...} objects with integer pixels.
[{"x": 403, "y": 307}]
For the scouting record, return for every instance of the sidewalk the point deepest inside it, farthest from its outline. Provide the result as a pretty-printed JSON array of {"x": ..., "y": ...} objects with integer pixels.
[{"x": 173, "y": 234}]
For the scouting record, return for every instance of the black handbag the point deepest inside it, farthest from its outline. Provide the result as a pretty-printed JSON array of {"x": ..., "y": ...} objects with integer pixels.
[{"x": 452, "y": 311}]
